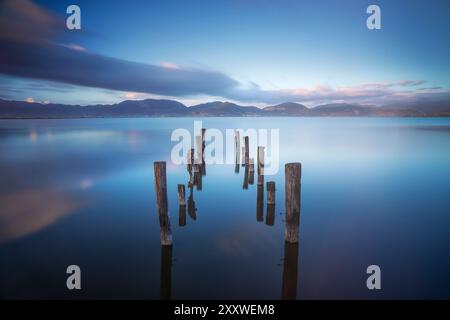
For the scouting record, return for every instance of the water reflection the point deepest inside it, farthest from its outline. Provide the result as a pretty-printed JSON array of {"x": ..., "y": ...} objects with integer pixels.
[
  {"x": 290, "y": 271},
  {"x": 166, "y": 273},
  {"x": 29, "y": 211}
]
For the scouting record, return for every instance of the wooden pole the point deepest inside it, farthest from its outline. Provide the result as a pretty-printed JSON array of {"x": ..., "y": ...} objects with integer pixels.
[
  {"x": 270, "y": 214},
  {"x": 181, "y": 195},
  {"x": 159, "y": 168},
  {"x": 260, "y": 160},
  {"x": 182, "y": 216},
  {"x": 270, "y": 185},
  {"x": 260, "y": 179},
  {"x": 293, "y": 172},
  {"x": 199, "y": 149},
  {"x": 243, "y": 156},
  {"x": 237, "y": 145},
  {"x": 203, "y": 141},
  {"x": 247, "y": 150},
  {"x": 251, "y": 171},
  {"x": 246, "y": 174},
  {"x": 290, "y": 271}
]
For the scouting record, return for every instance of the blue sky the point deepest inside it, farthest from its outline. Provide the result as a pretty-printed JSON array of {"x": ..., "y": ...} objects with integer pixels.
[{"x": 248, "y": 51}]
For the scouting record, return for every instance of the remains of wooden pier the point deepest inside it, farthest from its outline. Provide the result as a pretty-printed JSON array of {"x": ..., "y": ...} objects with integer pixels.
[
  {"x": 293, "y": 174},
  {"x": 161, "y": 199}
]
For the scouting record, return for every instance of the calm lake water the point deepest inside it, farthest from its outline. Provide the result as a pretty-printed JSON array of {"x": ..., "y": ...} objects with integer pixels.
[{"x": 374, "y": 191}]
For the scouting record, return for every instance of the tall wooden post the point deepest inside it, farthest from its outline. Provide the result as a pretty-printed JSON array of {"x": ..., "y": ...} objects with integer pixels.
[
  {"x": 251, "y": 171},
  {"x": 260, "y": 160},
  {"x": 270, "y": 185},
  {"x": 246, "y": 174},
  {"x": 162, "y": 203},
  {"x": 270, "y": 214},
  {"x": 247, "y": 150},
  {"x": 237, "y": 146},
  {"x": 182, "y": 216},
  {"x": 293, "y": 172},
  {"x": 203, "y": 140},
  {"x": 181, "y": 195},
  {"x": 199, "y": 150}
]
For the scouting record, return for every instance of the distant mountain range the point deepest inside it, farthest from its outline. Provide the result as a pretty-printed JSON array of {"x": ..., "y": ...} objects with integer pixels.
[{"x": 171, "y": 108}]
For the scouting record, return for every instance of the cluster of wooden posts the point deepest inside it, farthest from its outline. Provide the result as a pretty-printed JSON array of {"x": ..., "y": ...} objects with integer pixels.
[{"x": 197, "y": 169}]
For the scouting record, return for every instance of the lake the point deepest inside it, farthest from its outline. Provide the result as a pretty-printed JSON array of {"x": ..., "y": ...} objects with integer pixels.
[{"x": 375, "y": 191}]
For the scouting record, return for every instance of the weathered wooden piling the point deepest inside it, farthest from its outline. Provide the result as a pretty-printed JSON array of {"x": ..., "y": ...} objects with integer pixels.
[
  {"x": 159, "y": 168},
  {"x": 246, "y": 174},
  {"x": 182, "y": 216},
  {"x": 270, "y": 185},
  {"x": 166, "y": 273},
  {"x": 237, "y": 146},
  {"x": 198, "y": 178},
  {"x": 198, "y": 149},
  {"x": 290, "y": 271},
  {"x": 181, "y": 195},
  {"x": 203, "y": 141},
  {"x": 293, "y": 172},
  {"x": 243, "y": 157},
  {"x": 260, "y": 203},
  {"x": 260, "y": 179},
  {"x": 260, "y": 160},
  {"x": 247, "y": 150},
  {"x": 190, "y": 160},
  {"x": 270, "y": 214}
]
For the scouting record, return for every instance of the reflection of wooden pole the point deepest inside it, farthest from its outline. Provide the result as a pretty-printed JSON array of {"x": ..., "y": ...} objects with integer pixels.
[
  {"x": 260, "y": 203},
  {"x": 270, "y": 214},
  {"x": 290, "y": 273},
  {"x": 198, "y": 177},
  {"x": 191, "y": 204},
  {"x": 293, "y": 172},
  {"x": 166, "y": 273},
  {"x": 161, "y": 199},
  {"x": 247, "y": 150},
  {"x": 181, "y": 195},
  {"x": 182, "y": 203},
  {"x": 270, "y": 185}
]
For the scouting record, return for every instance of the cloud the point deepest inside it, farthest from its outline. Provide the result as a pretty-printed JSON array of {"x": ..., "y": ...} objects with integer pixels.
[
  {"x": 410, "y": 83},
  {"x": 29, "y": 100},
  {"x": 73, "y": 46},
  {"x": 31, "y": 48}
]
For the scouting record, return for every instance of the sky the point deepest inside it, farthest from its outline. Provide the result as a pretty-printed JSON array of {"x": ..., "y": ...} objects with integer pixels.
[{"x": 253, "y": 52}]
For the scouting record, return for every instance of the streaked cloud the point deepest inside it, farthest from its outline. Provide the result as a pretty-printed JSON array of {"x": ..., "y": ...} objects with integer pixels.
[{"x": 32, "y": 48}]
